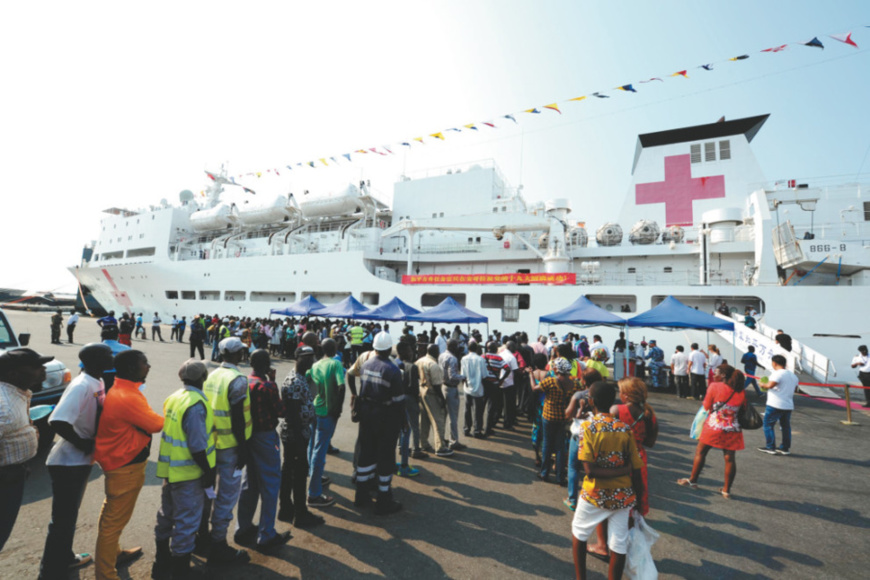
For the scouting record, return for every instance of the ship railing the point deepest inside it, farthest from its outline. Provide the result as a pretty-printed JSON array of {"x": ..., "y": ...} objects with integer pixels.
[{"x": 688, "y": 277}]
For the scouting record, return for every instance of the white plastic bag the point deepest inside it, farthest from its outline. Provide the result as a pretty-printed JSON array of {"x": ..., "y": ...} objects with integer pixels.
[
  {"x": 698, "y": 423},
  {"x": 639, "y": 562}
]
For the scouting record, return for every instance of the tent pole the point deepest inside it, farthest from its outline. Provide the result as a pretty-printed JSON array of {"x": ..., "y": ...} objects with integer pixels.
[{"x": 625, "y": 361}]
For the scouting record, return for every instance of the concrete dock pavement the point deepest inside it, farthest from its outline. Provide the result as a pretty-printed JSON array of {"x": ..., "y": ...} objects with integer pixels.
[{"x": 483, "y": 514}]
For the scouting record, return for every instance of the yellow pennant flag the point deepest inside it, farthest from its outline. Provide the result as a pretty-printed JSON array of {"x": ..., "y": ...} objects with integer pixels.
[
  {"x": 420, "y": 139},
  {"x": 322, "y": 160},
  {"x": 437, "y": 136},
  {"x": 577, "y": 99},
  {"x": 259, "y": 174},
  {"x": 470, "y": 126},
  {"x": 553, "y": 107}
]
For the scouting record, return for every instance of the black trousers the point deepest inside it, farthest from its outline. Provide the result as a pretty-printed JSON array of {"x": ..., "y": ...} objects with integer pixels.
[
  {"x": 865, "y": 381},
  {"x": 699, "y": 385},
  {"x": 524, "y": 395},
  {"x": 379, "y": 428},
  {"x": 682, "y": 385},
  {"x": 155, "y": 331},
  {"x": 492, "y": 403},
  {"x": 196, "y": 344},
  {"x": 509, "y": 395},
  {"x": 474, "y": 410},
  {"x": 294, "y": 478},
  {"x": 69, "y": 332},
  {"x": 55, "y": 334}
]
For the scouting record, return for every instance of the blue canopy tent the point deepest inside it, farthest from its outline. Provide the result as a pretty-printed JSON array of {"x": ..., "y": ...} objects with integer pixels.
[
  {"x": 304, "y": 307},
  {"x": 450, "y": 311},
  {"x": 583, "y": 311},
  {"x": 350, "y": 307},
  {"x": 394, "y": 310},
  {"x": 672, "y": 314}
]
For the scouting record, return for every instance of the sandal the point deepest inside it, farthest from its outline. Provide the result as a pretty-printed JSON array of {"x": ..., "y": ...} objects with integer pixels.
[
  {"x": 598, "y": 555},
  {"x": 687, "y": 483},
  {"x": 724, "y": 493}
]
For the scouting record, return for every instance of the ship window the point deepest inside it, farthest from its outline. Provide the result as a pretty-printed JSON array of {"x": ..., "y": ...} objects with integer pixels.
[
  {"x": 96, "y": 257},
  {"x": 172, "y": 294},
  {"x": 141, "y": 236},
  {"x": 710, "y": 151},
  {"x": 724, "y": 150},
  {"x": 477, "y": 239},
  {"x": 696, "y": 153},
  {"x": 370, "y": 298},
  {"x": 668, "y": 269},
  {"x": 273, "y": 296},
  {"x": 441, "y": 214},
  {"x": 510, "y": 304},
  {"x": 327, "y": 297},
  {"x": 112, "y": 255},
  {"x": 470, "y": 240},
  {"x": 430, "y": 299},
  {"x": 504, "y": 208},
  {"x": 632, "y": 270},
  {"x": 209, "y": 295},
  {"x": 434, "y": 214},
  {"x": 140, "y": 252},
  {"x": 188, "y": 295},
  {"x": 867, "y": 211},
  {"x": 234, "y": 295},
  {"x": 494, "y": 210}
]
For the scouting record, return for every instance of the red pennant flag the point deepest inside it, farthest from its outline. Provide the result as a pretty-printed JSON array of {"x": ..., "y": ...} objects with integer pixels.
[
  {"x": 779, "y": 48},
  {"x": 681, "y": 73},
  {"x": 845, "y": 38}
]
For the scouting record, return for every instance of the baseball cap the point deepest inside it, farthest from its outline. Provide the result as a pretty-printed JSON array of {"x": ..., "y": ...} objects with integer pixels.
[
  {"x": 192, "y": 370},
  {"x": 231, "y": 344},
  {"x": 22, "y": 357}
]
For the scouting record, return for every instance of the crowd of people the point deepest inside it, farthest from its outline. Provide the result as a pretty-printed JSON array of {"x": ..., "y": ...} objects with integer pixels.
[{"x": 230, "y": 442}]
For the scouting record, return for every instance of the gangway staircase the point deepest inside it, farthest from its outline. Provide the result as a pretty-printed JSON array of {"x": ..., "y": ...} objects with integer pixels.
[{"x": 810, "y": 365}]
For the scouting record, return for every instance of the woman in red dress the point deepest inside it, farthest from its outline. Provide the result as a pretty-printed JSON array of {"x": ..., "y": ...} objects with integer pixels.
[
  {"x": 641, "y": 419},
  {"x": 721, "y": 430}
]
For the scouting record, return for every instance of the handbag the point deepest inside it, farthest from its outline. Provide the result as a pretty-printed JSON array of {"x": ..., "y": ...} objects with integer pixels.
[
  {"x": 748, "y": 418},
  {"x": 639, "y": 563},
  {"x": 698, "y": 423}
]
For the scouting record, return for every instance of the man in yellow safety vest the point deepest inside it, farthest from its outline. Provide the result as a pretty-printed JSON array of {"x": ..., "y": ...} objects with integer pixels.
[{"x": 187, "y": 465}]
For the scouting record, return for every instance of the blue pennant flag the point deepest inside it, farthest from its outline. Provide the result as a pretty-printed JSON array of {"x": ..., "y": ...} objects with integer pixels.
[
  {"x": 815, "y": 42},
  {"x": 707, "y": 66},
  {"x": 511, "y": 117},
  {"x": 600, "y": 96},
  {"x": 346, "y": 156}
]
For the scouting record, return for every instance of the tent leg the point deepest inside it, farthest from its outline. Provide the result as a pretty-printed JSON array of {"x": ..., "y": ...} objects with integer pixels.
[{"x": 625, "y": 365}]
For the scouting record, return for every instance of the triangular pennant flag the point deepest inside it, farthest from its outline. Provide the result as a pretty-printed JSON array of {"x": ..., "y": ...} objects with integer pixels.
[
  {"x": 471, "y": 126},
  {"x": 322, "y": 160},
  {"x": 387, "y": 149},
  {"x": 652, "y": 79},
  {"x": 627, "y": 88},
  {"x": 311, "y": 163},
  {"x": 553, "y": 107},
  {"x": 259, "y": 174},
  {"x": 533, "y": 111},
  {"x": 346, "y": 156},
  {"x": 455, "y": 129},
  {"x": 511, "y": 117},
  {"x": 779, "y": 48},
  {"x": 844, "y": 38},
  {"x": 488, "y": 124},
  {"x": 706, "y": 66},
  {"x": 681, "y": 73},
  {"x": 420, "y": 139},
  {"x": 406, "y": 144},
  {"x": 287, "y": 166},
  {"x": 251, "y": 191},
  {"x": 741, "y": 57},
  {"x": 233, "y": 180},
  {"x": 299, "y": 164},
  {"x": 211, "y": 176},
  {"x": 577, "y": 98},
  {"x": 334, "y": 160},
  {"x": 437, "y": 135},
  {"x": 375, "y": 150},
  {"x": 276, "y": 172},
  {"x": 600, "y": 96},
  {"x": 363, "y": 151},
  {"x": 814, "y": 42}
]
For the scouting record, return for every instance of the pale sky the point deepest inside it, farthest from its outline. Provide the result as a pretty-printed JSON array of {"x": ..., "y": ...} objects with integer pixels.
[{"x": 124, "y": 104}]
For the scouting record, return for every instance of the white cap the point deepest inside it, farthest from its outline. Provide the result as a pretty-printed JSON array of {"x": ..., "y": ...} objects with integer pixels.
[
  {"x": 231, "y": 344},
  {"x": 382, "y": 341}
]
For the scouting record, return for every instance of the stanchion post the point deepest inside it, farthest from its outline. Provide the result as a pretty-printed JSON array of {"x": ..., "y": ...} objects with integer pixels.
[{"x": 848, "y": 420}]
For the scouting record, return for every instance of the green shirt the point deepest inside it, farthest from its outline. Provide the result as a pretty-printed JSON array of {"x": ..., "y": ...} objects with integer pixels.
[{"x": 327, "y": 375}]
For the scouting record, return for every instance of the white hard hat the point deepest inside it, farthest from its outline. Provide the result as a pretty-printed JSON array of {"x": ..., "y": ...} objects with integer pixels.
[{"x": 382, "y": 341}]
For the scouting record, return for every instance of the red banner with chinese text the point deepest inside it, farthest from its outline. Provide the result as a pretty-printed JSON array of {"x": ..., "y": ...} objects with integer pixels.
[{"x": 558, "y": 279}]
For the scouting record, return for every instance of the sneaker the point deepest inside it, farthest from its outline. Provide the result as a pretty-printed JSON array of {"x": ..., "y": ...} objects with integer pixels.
[
  {"x": 221, "y": 553},
  {"x": 308, "y": 520},
  {"x": 81, "y": 560},
  {"x": 277, "y": 540},
  {"x": 286, "y": 516},
  {"x": 768, "y": 451},
  {"x": 571, "y": 506},
  {"x": 419, "y": 454},
  {"x": 321, "y": 501},
  {"x": 333, "y": 450},
  {"x": 467, "y": 433},
  {"x": 783, "y": 452},
  {"x": 444, "y": 452},
  {"x": 428, "y": 449},
  {"x": 457, "y": 446},
  {"x": 246, "y": 537},
  {"x": 325, "y": 480},
  {"x": 407, "y": 471}
]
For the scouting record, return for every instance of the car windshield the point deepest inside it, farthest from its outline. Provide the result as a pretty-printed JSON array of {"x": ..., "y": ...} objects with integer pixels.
[{"x": 7, "y": 340}]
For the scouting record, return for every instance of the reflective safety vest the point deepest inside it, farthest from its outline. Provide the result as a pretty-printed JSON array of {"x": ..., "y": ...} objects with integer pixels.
[
  {"x": 356, "y": 335},
  {"x": 175, "y": 462},
  {"x": 216, "y": 389}
]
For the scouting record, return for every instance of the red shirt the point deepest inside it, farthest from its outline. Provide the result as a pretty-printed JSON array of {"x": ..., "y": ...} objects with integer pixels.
[{"x": 266, "y": 404}]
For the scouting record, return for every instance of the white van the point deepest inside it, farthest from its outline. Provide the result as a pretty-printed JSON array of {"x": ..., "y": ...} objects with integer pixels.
[{"x": 57, "y": 375}]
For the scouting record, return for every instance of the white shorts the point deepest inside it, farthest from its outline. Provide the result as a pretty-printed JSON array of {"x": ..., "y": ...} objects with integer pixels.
[{"x": 587, "y": 517}]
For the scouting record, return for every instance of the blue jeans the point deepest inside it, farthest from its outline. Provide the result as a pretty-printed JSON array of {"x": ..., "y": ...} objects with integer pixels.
[
  {"x": 68, "y": 485},
  {"x": 575, "y": 470},
  {"x": 317, "y": 449},
  {"x": 754, "y": 383},
  {"x": 227, "y": 489},
  {"x": 771, "y": 416},
  {"x": 554, "y": 440},
  {"x": 261, "y": 480}
]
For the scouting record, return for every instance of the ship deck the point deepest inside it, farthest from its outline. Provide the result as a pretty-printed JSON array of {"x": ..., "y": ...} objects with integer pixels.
[{"x": 483, "y": 514}]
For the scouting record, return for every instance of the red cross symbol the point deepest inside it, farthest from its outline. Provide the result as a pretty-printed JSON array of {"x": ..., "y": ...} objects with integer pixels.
[{"x": 679, "y": 190}]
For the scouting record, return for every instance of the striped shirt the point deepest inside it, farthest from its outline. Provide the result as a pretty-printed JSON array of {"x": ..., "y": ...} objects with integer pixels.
[{"x": 18, "y": 437}]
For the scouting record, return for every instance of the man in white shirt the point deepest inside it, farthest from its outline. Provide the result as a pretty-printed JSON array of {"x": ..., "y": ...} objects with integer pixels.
[
  {"x": 780, "y": 403},
  {"x": 597, "y": 343},
  {"x": 441, "y": 341},
  {"x": 71, "y": 325},
  {"x": 474, "y": 371},
  {"x": 508, "y": 387},
  {"x": 155, "y": 327},
  {"x": 680, "y": 370},
  {"x": 697, "y": 372},
  {"x": 72, "y": 457},
  {"x": 862, "y": 363}
]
